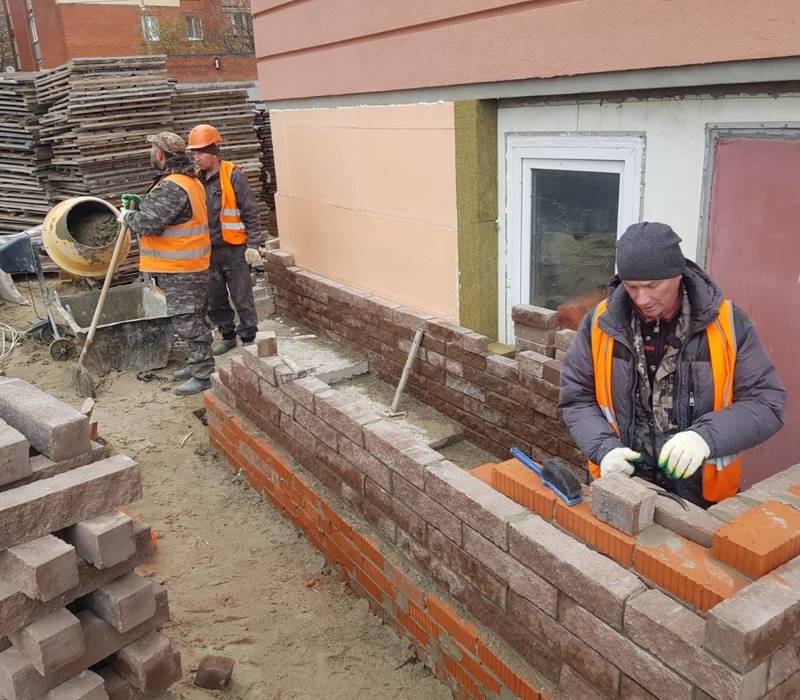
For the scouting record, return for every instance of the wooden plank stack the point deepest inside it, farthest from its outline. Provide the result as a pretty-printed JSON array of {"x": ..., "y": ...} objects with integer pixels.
[
  {"x": 226, "y": 107},
  {"x": 23, "y": 159},
  {"x": 69, "y": 598},
  {"x": 99, "y": 111}
]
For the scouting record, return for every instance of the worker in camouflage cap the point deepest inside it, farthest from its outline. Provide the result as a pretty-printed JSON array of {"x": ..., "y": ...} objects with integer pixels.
[{"x": 175, "y": 246}]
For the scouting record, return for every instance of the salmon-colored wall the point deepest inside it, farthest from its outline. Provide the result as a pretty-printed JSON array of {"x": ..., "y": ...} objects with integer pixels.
[
  {"x": 316, "y": 47},
  {"x": 367, "y": 195}
]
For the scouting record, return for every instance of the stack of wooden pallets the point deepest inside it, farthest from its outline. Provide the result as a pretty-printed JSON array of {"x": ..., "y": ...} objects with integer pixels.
[
  {"x": 23, "y": 159},
  {"x": 99, "y": 111}
]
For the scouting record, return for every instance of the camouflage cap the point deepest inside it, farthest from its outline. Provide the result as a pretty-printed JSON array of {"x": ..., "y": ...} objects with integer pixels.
[{"x": 167, "y": 141}]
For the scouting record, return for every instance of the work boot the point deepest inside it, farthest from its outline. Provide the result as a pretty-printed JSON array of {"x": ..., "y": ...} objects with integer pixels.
[
  {"x": 220, "y": 347},
  {"x": 192, "y": 386},
  {"x": 248, "y": 341},
  {"x": 182, "y": 374}
]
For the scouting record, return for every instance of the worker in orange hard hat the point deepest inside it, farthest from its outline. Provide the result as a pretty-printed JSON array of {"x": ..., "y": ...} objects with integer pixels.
[{"x": 235, "y": 238}]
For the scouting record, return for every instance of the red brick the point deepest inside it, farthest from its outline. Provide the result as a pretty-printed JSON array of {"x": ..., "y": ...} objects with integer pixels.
[
  {"x": 520, "y": 484},
  {"x": 581, "y": 522},
  {"x": 418, "y": 613},
  {"x": 410, "y": 624},
  {"x": 485, "y": 472},
  {"x": 684, "y": 569},
  {"x": 465, "y": 633},
  {"x": 760, "y": 540}
]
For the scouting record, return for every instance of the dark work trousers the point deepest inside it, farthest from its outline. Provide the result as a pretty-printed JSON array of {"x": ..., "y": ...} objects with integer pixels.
[
  {"x": 186, "y": 294},
  {"x": 230, "y": 274}
]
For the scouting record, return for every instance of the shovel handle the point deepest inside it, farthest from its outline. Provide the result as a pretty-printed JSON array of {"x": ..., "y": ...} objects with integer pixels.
[{"x": 98, "y": 310}]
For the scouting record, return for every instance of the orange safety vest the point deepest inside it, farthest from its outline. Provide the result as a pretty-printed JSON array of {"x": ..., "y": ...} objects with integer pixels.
[
  {"x": 721, "y": 476},
  {"x": 181, "y": 247},
  {"x": 230, "y": 216}
]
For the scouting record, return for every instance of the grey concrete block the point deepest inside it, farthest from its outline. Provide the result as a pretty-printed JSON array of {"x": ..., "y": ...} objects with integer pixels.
[
  {"x": 44, "y": 468},
  {"x": 19, "y": 680},
  {"x": 751, "y": 625},
  {"x": 52, "y": 642},
  {"x": 15, "y": 463},
  {"x": 623, "y": 504},
  {"x": 105, "y": 540},
  {"x": 42, "y": 569},
  {"x": 674, "y": 634},
  {"x": 124, "y": 603},
  {"x": 51, "y": 426},
  {"x": 48, "y": 505},
  {"x": 117, "y": 687},
  {"x": 595, "y": 581},
  {"x": 18, "y": 610},
  {"x": 150, "y": 664},
  {"x": 85, "y": 686}
]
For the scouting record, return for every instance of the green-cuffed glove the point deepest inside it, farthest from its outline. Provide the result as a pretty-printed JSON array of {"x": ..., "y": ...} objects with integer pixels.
[{"x": 131, "y": 201}]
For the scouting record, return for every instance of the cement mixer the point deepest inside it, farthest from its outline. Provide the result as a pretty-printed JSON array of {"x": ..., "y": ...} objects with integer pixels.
[{"x": 79, "y": 236}]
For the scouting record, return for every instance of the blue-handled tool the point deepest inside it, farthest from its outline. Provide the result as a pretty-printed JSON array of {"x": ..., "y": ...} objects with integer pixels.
[{"x": 555, "y": 475}]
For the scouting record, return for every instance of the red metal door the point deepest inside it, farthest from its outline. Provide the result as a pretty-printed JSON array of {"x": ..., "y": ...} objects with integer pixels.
[{"x": 754, "y": 255}]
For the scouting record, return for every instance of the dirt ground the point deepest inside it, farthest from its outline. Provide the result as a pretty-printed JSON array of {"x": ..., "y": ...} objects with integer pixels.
[{"x": 243, "y": 582}]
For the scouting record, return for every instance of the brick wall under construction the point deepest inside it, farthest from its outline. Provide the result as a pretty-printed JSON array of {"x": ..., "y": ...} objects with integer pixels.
[{"x": 504, "y": 590}]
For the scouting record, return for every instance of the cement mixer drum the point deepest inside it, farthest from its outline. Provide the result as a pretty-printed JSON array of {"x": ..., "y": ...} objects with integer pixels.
[{"x": 79, "y": 234}]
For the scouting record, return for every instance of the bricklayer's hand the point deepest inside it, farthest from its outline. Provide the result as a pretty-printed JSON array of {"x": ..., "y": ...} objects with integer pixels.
[
  {"x": 618, "y": 461},
  {"x": 123, "y": 214},
  {"x": 683, "y": 454},
  {"x": 252, "y": 256}
]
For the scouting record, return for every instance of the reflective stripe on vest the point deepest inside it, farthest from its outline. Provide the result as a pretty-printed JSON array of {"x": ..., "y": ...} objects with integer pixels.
[
  {"x": 182, "y": 247},
  {"x": 721, "y": 476},
  {"x": 230, "y": 217}
]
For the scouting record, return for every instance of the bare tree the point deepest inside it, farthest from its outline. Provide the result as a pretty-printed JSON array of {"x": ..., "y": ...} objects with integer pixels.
[
  {"x": 8, "y": 58},
  {"x": 227, "y": 31}
]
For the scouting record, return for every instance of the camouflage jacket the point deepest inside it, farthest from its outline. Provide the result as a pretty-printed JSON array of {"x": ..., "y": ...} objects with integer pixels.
[
  {"x": 245, "y": 200},
  {"x": 164, "y": 205}
]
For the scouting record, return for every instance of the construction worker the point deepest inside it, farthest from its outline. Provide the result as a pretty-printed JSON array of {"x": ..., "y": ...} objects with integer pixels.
[
  {"x": 175, "y": 246},
  {"x": 666, "y": 379},
  {"x": 235, "y": 239}
]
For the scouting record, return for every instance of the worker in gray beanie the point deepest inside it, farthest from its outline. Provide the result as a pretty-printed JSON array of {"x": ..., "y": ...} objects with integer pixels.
[{"x": 666, "y": 379}]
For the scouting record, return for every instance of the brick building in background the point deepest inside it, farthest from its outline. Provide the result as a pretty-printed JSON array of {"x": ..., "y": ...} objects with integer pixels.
[{"x": 204, "y": 40}]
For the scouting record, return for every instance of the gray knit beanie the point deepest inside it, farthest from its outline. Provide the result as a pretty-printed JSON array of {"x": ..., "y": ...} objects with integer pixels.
[{"x": 649, "y": 251}]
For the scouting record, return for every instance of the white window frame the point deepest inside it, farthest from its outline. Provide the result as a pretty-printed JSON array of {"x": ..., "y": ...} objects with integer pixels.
[
  {"x": 194, "y": 22},
  {"x": 150, "y": 28},
  {"x": 239, "y": 29},
  {"x": 524, "y": 152}
]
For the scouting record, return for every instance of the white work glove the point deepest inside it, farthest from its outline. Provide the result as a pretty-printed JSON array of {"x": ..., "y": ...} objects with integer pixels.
[
  {"x": 682, "y": 454},
  {"x": 123, "y": 214},
  {"x": 252, "y": 256},
  {"x": 618, "y": 461}
]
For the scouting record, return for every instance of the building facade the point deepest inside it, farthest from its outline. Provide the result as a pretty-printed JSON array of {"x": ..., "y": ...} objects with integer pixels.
[
  {"x": 465, "y": 156},
  {"x": 205, "y": 40}
]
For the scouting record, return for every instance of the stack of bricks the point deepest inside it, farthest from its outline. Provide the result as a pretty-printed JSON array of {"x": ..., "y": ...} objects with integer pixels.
[
  {"x": 69, "y": 599},
  {"x": 500, "y": 401},
  {"x": 619, "y": 597}
]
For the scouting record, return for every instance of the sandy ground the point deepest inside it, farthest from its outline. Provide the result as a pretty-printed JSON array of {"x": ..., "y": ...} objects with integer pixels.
[{"x": 242, "y": 581}]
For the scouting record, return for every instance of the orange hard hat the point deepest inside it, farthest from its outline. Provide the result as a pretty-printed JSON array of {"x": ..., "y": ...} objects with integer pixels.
[{"x": 203, "y": 135}]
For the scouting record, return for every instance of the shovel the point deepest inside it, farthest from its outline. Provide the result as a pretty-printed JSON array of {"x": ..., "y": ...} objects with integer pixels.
[{"x": 85, "y": 381}]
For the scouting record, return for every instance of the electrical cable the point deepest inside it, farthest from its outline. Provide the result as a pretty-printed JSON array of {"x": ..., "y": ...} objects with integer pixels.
[{"x": 10, "y": 337}]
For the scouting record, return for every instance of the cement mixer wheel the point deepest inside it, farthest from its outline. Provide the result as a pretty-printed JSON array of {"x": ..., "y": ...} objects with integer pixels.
[{"x": 63, "y": 349}]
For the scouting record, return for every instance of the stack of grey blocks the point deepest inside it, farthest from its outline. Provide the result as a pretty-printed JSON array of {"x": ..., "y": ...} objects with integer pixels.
[{"x": 76, "y": 622}]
